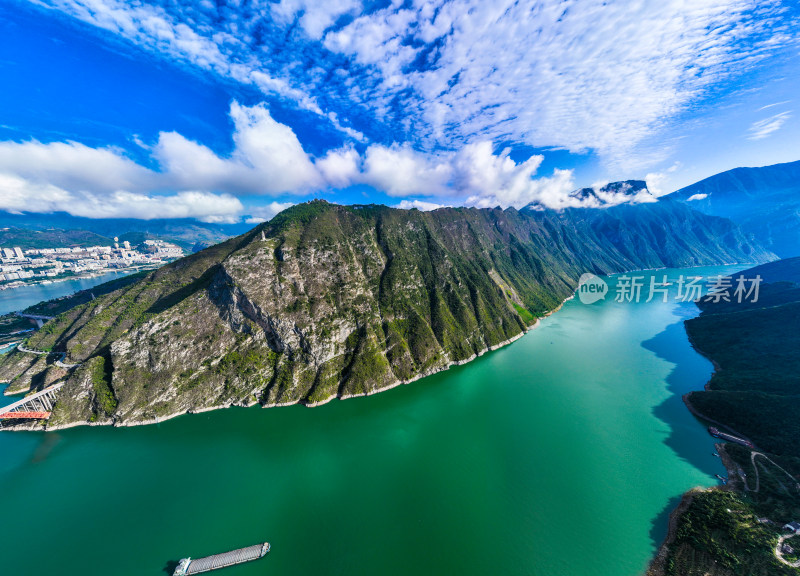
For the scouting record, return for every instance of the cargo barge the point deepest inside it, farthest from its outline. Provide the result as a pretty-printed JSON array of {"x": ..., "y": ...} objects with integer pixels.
[
  {"x": 189, "y": 566},
  {"x": 729, "y": 437}
]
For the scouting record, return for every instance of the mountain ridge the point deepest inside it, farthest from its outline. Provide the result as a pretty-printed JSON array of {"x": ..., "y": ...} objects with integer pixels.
[
  {"x": 328, "y": 301},
  {"x": 764, "y": 201}
]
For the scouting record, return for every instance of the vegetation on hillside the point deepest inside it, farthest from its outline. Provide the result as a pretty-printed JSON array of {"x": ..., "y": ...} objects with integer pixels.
[
  {"x": 51, "y": 238},
  {"x": 332, "y": 301},
  {"x": 720, "y": 535},
  {"x": 755, "y": 393}
]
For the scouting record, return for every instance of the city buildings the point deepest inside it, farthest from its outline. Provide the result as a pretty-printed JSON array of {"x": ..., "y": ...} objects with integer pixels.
[{"x": 18, "y": 266}]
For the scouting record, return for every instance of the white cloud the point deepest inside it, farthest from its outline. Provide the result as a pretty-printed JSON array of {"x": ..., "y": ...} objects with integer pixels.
[
  {"x": 694, "y": 197},
  {"x": 73, "y": 165},
  {"x": 760, "y": 129},
  {"x": 267, "y": 158},
  {"x": 401, "y": 171},
  {"x": 483, "y": 173},
  {"x": 473, "y": 175},
  {"x": 419, "y": 205},
  {"x": 204, "y": 206},
  {"x": 191, "y": 180},
  {"x": 773, "y": 105},
  {"x": 340, "y": 167},
  {"x": 656, "y": 181},
  {"x": 551, "y": 192},
  {"x": 624, "y": 194},
  {"x": 260, "y": 214},
  {"x": 598, "y": 74},
  {"x": 20, "y": 195},
  {"x": 605, "y": 75},
  {"x": 210, "y": 46},
  {"x": 314, "y": 17}
]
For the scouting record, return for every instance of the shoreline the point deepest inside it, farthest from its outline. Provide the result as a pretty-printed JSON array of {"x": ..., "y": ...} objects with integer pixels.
[
  {"x": 700, "y": 416},
  {"x": 158, "y": 419},
  {"x": 48, "y": 281},
  {"x": 657, "y": 565},
  {"x": 434, "y": 371},
  {"x": 395, "y": 384}
]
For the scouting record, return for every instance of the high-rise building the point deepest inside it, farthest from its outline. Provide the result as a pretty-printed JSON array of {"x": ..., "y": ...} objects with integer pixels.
[{"x": 18, "y": 252}]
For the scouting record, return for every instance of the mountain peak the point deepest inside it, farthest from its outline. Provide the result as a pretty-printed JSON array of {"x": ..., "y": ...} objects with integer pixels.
[{"x": 611, "y": 194}]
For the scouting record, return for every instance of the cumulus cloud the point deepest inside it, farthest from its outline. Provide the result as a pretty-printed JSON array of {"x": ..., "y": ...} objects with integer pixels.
[
  {"x": 419, "y": 205},
  {"x": 21, "y": 195},
  {"x": 191, "y": 180},
  {"x": 694, "y": 197},
  {"x": 401, "y": 171},
  {"x": 549, "y": 192},
  {"x": 267, "y": 158},
  {"x": 260, "y": 214},
  {"x": 761, "y": 129},
  {"x": 72, "y": 165},
  {"x": 656, "y": 181},
  {"x": 474, "y": 175},
  {"x": 340, "y": 167}
]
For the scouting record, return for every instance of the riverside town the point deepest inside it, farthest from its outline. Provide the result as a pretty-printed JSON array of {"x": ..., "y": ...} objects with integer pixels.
[{"x": 19, "y": 267}]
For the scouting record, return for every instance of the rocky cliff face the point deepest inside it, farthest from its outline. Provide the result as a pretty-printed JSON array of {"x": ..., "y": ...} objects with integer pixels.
[{"x": 329, "y": 301}]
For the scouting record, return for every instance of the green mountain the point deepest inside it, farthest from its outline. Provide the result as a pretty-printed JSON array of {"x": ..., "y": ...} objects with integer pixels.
[
  {"x": 764, "y": 201},
  {"x": 51, "y": 238},
  {"x": 329, "y": 301},
  {"x": 754, "y": 393}
]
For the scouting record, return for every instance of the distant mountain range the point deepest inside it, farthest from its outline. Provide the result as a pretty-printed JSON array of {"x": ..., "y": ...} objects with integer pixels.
[
  {"x": 186, "y": 232},
  {"x": 328, "y": 301},
  {"x": 763, "y": 201},
  {"x": 27, "y": 238}
]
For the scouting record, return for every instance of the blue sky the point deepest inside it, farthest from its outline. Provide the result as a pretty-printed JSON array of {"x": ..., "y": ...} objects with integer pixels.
[{"x": 226, "y": 111}]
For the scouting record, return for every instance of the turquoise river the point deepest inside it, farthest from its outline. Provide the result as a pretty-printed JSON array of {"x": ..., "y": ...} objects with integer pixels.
[{"x": 558, "y": 455}]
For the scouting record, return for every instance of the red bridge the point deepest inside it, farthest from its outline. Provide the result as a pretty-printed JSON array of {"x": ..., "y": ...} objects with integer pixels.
[
  {"x": 37, "y": 406},
  {"x": 25, "y": 415}
]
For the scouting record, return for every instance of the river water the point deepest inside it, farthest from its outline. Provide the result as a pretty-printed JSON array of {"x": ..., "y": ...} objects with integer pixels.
[
  {"x": 15, "y": 299},
  {"x": 558, "y": 455}
]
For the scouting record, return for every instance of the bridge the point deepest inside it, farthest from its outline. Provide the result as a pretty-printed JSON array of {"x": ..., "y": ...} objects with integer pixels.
[
  {"x": 39, "y": 318},
  {"x": 36, "y": 406}
]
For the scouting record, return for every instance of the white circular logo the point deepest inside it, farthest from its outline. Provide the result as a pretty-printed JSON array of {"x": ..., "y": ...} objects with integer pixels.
[{"x": 591, "y": 289}]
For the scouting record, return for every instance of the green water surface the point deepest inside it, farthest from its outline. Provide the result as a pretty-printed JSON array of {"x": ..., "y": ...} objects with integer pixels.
[{"x": 558, "y": 455}]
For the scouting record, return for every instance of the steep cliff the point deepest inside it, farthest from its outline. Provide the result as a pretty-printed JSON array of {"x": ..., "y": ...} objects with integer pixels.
[{"x": 330, "y": 301}]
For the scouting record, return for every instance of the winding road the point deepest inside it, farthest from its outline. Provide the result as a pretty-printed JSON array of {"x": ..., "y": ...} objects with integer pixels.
[
  {"x": 60, "y": 362},
  {"x": 779, "y": 556},
  {"x": 758, "y": 477}
]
